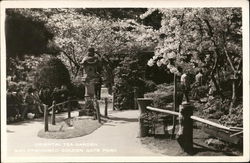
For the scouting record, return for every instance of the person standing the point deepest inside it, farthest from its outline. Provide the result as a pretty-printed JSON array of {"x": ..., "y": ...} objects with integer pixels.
[
  {"x": 199, "y": 78},
  {"x": 185, "y": 84}
]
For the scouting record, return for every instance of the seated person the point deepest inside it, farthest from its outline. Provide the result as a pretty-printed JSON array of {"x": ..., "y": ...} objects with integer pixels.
[{"x": 29, "y": 103}]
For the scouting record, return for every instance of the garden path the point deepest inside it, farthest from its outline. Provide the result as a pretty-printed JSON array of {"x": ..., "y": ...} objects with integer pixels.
[{"x": 117, "y": 137}]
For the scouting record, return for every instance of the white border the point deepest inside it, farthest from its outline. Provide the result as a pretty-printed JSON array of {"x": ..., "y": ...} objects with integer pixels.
[{"x": 131, "y": 3}]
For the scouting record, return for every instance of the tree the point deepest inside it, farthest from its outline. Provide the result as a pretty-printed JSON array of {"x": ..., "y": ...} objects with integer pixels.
[
  {"x": 25, "y": 36},
  {"x": 208, "y": 38},
  {"x": 75, "y": 30},
  {"x": 52, "y": 73}
]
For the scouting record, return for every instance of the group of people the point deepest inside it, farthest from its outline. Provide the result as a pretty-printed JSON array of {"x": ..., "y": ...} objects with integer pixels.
[
  {"x": 186, "y": 82},
  {"x": 20, "y": 103}
]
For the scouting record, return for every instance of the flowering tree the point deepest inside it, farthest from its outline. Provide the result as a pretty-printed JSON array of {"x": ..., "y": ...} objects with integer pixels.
[
  {"x": 74, "y": 32},
  {"x": 209, "y": 38}
]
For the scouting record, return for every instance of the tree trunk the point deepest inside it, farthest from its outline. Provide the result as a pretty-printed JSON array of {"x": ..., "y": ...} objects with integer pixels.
[
  {"x": 217, "y": 86},
  {"x": 234, "y": 97}
]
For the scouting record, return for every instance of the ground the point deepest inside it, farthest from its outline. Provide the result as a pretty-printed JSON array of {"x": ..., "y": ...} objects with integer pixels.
[{"x": 116, "y": 137}]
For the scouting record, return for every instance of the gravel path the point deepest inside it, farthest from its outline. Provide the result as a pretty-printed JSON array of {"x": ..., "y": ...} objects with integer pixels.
[{"x": 117, "y": 137}]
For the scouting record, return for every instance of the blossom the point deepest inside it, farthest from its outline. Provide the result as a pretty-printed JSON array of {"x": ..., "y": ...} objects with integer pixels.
[
  {"x": 159, "y": 63},
  {"x": 155, "y": 57},
  {"x": 171, "y": 55},
  {"x": 174, "y": 70},
  {"x": 150, "y": 62},
  {"x": 169, "y": 66},
  {"x": 165, "y": 55},
  {"x": 164, "y": 60}
]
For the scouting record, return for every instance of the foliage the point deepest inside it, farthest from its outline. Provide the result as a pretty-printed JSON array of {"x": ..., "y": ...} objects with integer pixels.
[
  {"x": 127, "y": 76},
  {"x": 163, "y": 96},
  {"x": 75, "y": 30},
  {"x": 78, "y": 88},
  {"x": 220, "y": 111},
  {"x": 21, "y": 72},
  {"x": 52, "y": 73},
  {"x": 25, "y": 36},
  {"x": 198, "y": 92},
  {"x": 150, "y": 86},
  {"x": 208, "y": 38},
  {"x": 113, "y": 13},
  {"x": 235, "y": 118}
]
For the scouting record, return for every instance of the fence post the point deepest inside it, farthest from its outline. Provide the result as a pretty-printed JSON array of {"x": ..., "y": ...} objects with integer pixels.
[
  {"x": 53, "y": 113},
  {"x": 175, "y": 105},
  {"x": 106, "y": 107},
  {"x": 142, "y": 104},
  {"x": 96, "y": 106},
  {"x": 185, "y": 133},
  {"x": 135, "y": 97},
  {"x": 46, "y": 125},
  {"x": 113, "y": 99},
  {"x": 69, "y": 109}
]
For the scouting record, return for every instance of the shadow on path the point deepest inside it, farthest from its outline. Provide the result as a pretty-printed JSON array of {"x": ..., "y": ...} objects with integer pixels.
[
  {"x": 123, "y": 119},
  {"x": 201, "y": 148}
]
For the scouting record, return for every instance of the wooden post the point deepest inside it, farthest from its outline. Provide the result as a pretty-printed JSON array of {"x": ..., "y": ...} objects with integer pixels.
[
  {"x": 142, "y": 104},
  {"x": 53, "y": 120},
  {"x": 97, "y": 108},
  {"x": 46, "y": 124},
  {"x": 135, "y": 97},
  {"x": 106, "y": 107},
  {"x": 185, "y": 134},
  {"x": 113, "y": 100},
  {"x": 69, "y": 109},
  {"x": 175, "y": 105},
  {"x": 143, "y": 129}
]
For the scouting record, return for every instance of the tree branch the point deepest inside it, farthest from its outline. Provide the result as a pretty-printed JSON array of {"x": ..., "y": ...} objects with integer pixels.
[{"x": 229, "y": 59}]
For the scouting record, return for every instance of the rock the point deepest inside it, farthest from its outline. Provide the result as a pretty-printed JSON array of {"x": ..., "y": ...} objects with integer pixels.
[
  {"x": 30, "y": 115},
  {"x": 215, "y": 143}
]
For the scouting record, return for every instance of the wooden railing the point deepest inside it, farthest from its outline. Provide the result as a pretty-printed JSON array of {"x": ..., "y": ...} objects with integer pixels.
[
  {"x": 186, "y": 118},
  {"x": 69, "y": 109},
  {"x": 201, "y": 120}
]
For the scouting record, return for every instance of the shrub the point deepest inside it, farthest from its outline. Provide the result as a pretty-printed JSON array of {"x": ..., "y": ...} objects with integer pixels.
[
  {"x": 164, "y": 95},
  {"x": 78, "y": 89},
  {"x": 150, "y": 86},
  {"x": 161, "y": 100},
  {"x": 127, "y": 76},
  {"x": 167, "y": 88},
  {"x": 198, "y": 92},
  {"x": 52, "y": 73}
]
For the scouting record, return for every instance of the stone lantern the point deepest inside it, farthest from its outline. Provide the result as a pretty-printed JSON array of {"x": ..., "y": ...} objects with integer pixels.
[{"x": 90, "y": 64}]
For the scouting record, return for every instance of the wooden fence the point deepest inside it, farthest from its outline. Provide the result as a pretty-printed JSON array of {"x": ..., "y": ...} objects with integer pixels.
[
  {"x": 69, "y": 109},
  {"x": 186, "y": 118}
]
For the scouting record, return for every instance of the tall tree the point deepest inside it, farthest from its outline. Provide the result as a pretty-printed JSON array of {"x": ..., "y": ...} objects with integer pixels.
[{"x": 208, "y": 38}]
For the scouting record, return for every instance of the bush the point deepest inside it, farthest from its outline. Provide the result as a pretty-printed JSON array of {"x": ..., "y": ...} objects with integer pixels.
[
  {"x": 161, "y": 100},
  {"x": 164, "y": 95},
  {"x": 198, "y": 92},
  {"x": 78, "y": 89},
  {"x": 220, "y": 110},
  {"x": 52, "y": 73},
  {"x": 235, "y": 118},
  {"x": 150, "y": 86},
  {"x": 127, "y": 76}
]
